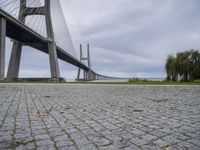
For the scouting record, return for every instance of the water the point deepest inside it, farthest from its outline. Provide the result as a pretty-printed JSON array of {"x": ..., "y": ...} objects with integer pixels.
[{"x": 121, "y": 80}]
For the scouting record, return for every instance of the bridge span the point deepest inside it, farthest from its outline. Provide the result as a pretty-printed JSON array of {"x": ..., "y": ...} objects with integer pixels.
[{"x": 22, "y": 35}]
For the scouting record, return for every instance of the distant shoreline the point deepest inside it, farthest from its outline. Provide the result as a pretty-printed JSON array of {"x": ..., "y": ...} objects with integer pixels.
[
  {"x": 117, "y": 83},
  {"x": 139, "y": 83}
]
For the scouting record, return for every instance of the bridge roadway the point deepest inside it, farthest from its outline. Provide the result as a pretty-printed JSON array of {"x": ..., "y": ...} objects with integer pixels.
[{"x": 20, "y": 32}]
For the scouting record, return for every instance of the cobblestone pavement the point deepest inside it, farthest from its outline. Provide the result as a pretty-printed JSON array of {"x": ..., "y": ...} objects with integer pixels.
[{"x": 99, "y": 117}]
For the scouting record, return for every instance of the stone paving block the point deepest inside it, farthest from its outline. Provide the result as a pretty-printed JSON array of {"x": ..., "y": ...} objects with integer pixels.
[
  {"x": 160, "y": 143},
  {"x": 87, "y": 147},
  {"x": 46, "y": 148},
  {"x": 170, "y": 139},
  {"x": 71, "y": 130},
  {"x": 42, "y": 137},
  {"x": 89, "y": 131},
  {"x": 30, "y": 146},
  {"x": 45, "y": 143},
  {"x": 111, "y": 136},
  {"x": 100, "y": 141},
  {"x": 38, "y": 131},
  {"x": 80, "y": 139},
  {"x": 68, "y": 148},
  {"x": 5, "y": 144},
  {"x": 137, "y": 132},
  {"x": 99, "y": 128},
  {"x": 158, "y": 133},
  {"x": 196, "y": 142},
  {"x": 150, "y": 147},
  {"x": 109, "y": 147},
  {"x": 148, "y": 137},
  {"x": 138, "y": 141},
  {"x": 64, "y": 143}
]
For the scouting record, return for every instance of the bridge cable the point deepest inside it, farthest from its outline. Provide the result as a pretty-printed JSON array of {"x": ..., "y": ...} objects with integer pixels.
[
  {"x": 36, "y": 24},
  {"x": 31, "y": 18},
  {"x": 7, "y": 4},
  {"x": 62, "y": 35}
]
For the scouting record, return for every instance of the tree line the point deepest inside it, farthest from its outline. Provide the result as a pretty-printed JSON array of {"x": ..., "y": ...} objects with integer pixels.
[{"x": 184, "y": 66}]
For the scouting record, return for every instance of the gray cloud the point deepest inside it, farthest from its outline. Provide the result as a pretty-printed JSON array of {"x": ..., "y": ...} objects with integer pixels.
[{"x": 146, "y": 30}]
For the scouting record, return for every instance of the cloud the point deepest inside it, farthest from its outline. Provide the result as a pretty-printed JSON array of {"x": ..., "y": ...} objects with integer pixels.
[{"x": 136, "y": 35}]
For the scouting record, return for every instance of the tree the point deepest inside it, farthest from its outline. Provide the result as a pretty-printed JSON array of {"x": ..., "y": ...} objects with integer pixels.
[
  {"x": 171, "y": 68},
  {"x": 185, "y": 66}
]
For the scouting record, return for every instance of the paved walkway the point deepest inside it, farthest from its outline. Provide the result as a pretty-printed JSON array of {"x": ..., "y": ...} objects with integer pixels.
[{"x": 99, "y": 117}]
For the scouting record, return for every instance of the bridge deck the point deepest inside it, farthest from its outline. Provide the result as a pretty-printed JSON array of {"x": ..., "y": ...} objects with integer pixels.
[{"x": 20, "y": 32}]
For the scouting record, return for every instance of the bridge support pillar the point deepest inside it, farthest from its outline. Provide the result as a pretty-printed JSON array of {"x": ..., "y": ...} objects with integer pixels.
[
  {"x": 2, "y": 47},
  {"x": 87, "y": 74},
  {"x": 79, "y": 69},
  {"x": 90, "y": 75},
  {"x": 94, "y": 76},
  {"x": 84, "y": 75},
  {"x": 55, "y": 72},
  {"x": 14, "y": 64}
]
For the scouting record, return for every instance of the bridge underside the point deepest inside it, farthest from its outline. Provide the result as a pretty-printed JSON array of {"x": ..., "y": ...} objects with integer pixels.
[{"x": 17, "y": 31}]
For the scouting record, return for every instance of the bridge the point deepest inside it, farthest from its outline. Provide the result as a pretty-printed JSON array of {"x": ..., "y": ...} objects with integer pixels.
[{"x": 17, "y": 22}]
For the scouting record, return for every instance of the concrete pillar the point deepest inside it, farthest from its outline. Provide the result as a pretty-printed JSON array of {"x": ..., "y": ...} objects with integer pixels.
[
  {"x": 14, "y": 64},
  {"x": 91, "y": 76},
  {"x": 84, "y": 75},
  {"x": 88, "y": 55},
  {"x": 79, "y": 69},
  {"x": 55, "y": 72},
  {"x": 88, "y": 75},
  {"x": 2, "y": 47}
]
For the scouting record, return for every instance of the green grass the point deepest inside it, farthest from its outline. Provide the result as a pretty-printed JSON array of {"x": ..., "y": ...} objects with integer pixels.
[{"x": 140, "y": 83}]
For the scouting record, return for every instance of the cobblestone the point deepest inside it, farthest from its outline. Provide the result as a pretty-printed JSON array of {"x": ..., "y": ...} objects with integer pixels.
[{"x": 99, "y": 117}]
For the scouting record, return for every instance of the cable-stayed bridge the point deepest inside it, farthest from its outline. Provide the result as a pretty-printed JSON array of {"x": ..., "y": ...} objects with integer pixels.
[{"x": 39, "y": 24}]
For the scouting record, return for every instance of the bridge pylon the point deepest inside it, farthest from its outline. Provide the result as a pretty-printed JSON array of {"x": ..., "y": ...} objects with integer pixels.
[
  {"x": 87, "y": 74},
  {"x": 14, "y": 64},
  {"x": 2, "y": 47}
]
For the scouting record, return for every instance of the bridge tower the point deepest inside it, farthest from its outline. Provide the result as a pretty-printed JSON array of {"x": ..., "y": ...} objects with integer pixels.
[
  {"x": 2, "y": 47},
  {"x": 14, "y": 64},
  {"x": 87, "y": 75}
]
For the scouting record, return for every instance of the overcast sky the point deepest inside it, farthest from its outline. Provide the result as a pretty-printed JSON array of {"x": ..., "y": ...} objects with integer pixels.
[{"x": 129, "y": 38}]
